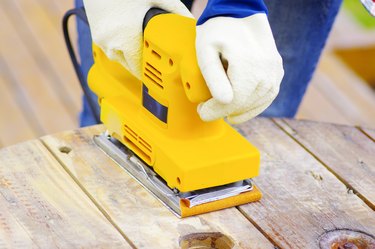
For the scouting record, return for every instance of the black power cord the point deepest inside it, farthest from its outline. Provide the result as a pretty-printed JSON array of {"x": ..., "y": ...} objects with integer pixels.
[
  {"x": 188, "y": 3},
  {"x": 81, "y": 14}
]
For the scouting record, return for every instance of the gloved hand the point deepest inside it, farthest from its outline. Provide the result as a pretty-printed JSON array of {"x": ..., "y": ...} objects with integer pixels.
[
  {"x": 116, "y": 27},
  {"x": 241, "y": 65},
  {"x": 370, "y": 6}
]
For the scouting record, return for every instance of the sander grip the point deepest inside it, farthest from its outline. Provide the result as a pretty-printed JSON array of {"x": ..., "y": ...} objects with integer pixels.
[{"x": 150, "y": 14}]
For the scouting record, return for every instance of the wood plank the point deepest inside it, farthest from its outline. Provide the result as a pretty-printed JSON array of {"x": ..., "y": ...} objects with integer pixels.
[
  {"x": 36, "y": 87},
  {"x": 361, "y": 61},
  {"x": 302, "y": 199},
  {"x": 42, "y": 206},
  {"x": 316, "y": 106},
  {"x": 146, "y": 222},
  {"x": 20, "y": 96},
  {"x": 346, "y": 33},
  {"x": 15, "y": 127},
  {"x": 47, "y": 21},
  {"x": 53, "y": 10},
  {"x": 46, "y": 45},
  {"x": 347, "y": 152},
  {"x": 353, "y": 97},
  {"x": 12, "y": 233},
  {"x": 63, "y": 6}
]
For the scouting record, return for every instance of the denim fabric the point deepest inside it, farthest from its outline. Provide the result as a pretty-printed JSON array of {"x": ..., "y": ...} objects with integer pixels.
[
  {"x": 300, "y": 29},
  {"x": 86, "y": 117}
]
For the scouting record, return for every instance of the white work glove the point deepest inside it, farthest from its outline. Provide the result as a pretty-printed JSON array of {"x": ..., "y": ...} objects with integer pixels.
[
  {"x": 370, "y": 6},
  {"x": 241, "y": 65},
  {"x": 116, "y": 27}
]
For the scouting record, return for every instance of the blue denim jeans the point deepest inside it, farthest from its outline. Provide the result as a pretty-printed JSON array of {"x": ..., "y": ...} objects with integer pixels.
[{"x": 300, "y": 29}]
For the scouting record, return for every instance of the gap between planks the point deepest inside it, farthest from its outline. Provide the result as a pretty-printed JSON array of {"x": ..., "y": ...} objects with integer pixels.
[
  {"x": 42, "y": 207},
  {"x": 117, "y": 227},
  {"x": 260, "y": 229},
  {"x": 100, "y": 208},
  {"x": 297, "y": 206},
  {"x": 369, "y": 133},
  {"x": 275, "y": 205},
  {"x": 132, "y": 207},
  {"x": 288, "y": 130}
]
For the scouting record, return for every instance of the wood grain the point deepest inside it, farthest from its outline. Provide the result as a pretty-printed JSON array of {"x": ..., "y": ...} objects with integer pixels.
[
  {"x": 353, "y": 97},
  {"x": 344, "y": 150},
  {"x": 39, "y": 95},
  {"x": 316, "y": 106},
  {"x": 16, "y": 119},
  {"x": 146, "y": 222},
  {"x": 42, "y": 28},
  {"x": 42, "y": 207},
  {"x": 62, "y": 6},
  {"x": 12, "y": 232},
  {"x": 302, "y": 199}
]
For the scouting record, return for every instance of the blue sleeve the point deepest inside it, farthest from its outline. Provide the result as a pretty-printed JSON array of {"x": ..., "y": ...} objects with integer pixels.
[{"x": 232, "y": 8}]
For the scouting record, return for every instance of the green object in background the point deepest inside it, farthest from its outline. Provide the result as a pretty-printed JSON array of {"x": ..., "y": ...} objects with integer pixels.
[{"x": 360, "y": 13}]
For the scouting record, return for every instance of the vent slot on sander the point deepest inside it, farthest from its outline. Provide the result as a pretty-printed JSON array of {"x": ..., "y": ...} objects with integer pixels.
[{"x": 136, "y": 143}]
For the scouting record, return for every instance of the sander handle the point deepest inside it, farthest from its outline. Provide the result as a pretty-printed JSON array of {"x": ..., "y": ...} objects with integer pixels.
[{"x": 152, "y": 13}]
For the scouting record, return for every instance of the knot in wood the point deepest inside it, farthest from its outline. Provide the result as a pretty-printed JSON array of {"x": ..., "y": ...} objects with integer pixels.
[
  {"x": 349, "y": 245},
  {"x": 206, "y": 241},
  {"x": 346, "y": 239}
]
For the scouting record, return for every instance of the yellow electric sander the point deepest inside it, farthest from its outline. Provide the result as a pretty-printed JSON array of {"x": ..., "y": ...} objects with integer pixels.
[{"x": 155, "y": 133}]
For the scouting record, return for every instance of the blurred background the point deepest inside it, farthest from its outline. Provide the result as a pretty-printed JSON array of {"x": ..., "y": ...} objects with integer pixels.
[{"x": 39, "y": 92}]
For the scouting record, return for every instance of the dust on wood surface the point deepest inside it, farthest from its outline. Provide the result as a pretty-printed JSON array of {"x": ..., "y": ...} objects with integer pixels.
[
  {"x": 302, "y": 199},
  {"x": 139, "y": 215},
  {"x": 344, "y": 150},
  {"x": 42, "y": 207}
]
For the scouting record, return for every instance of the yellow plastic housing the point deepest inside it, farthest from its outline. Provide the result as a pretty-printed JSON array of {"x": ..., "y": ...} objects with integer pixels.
[{"x": 186, "y": 152}]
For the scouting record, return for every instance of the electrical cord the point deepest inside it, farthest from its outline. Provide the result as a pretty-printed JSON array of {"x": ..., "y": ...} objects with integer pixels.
[{"x": 81, "y": 14}]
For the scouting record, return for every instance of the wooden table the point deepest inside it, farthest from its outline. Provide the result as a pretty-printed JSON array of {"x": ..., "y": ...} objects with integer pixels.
[{"x": 318, "y": 181}]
